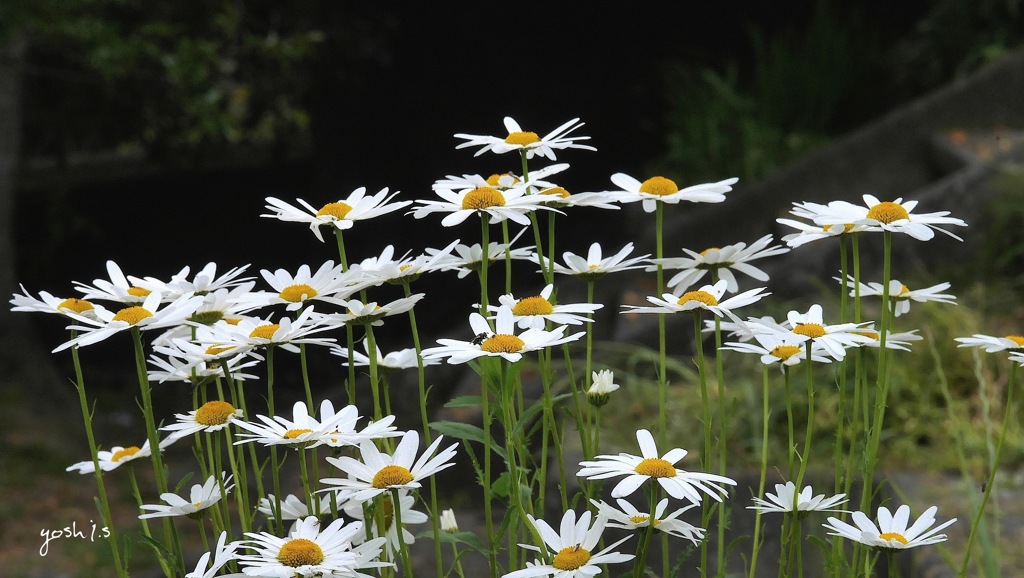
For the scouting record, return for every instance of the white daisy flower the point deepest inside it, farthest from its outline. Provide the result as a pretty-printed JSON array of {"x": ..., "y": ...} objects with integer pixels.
[
  {"x": 379, "y": 472},
  {"x": 992, "y": 343},
  {"x": 527, "y": 142},
  {"x": 602, "y": 385},
  {"x": 186, "y": 360},
  {"x": 466, "y": 259},
  {"x": 251, "y": 333},
  {"x": 833, "y": 339},
  {"x": 222, "y": 553},
  {"x": 341, "y": 214},
  {"x": 295, "y": 290},
  {"x": 202, "y": 496},
  {"x": 679, "y": 484},
  {"x": 708, "y": 297},
  {"x": 1017, "y": 357},
  {"x": 205, "y": 281},
  {"x": 901, "y": 294},
  {"x": 212, "y": 416},
  {"x": 894, "y": 216},
  {"x": 118, "y": 288},
  {"x": 448, "y": 523},
  {"x": 513, "y": 204},
  {"x": 391, "y": 361},
  {"x": 372, "y": 313},
  {"x": 47, "y": 303},
  {"x": 354, "y": 509},
  {"x": 783, "y": 348},
  {"x": 786, "y": 499},
  {"x": 501, "y": 180},
  {"x": 151, "y": 314},
  {"x": 500, "y": 342},
  {"x": 303, "y": 430},
  {"x": 343, "y": 430},
  {"x": 722, "y": 260},
  {"x": 294, "y": 508},
  {"x": 893, "y": 340},
  {"x": 534, "y": 311},
  {"x": 892, "y": 532},
  {"x": 662, "y": 190},
  {"x": 114, "y": 458},
  {"x": 307, "y": 551},
  {"x": 571, "y": 548},
  {"x": 812, "y": 231},
  {"x": 406, "y": 270},
  {"x": 594, "y": 265},
  {"x": 630, "y": 518}
]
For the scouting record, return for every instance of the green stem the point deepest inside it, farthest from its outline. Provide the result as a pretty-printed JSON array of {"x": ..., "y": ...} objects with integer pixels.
[
  {"x": 764, "y": 470},
  {"x": 659, "y": 225}
]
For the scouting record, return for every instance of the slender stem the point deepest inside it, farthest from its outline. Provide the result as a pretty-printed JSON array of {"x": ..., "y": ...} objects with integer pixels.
[
  {"x": 403, "y": 548},
  {"x": 485, "y": 262},
  {"x": 659, "y": 224},
  {"x": 485, "y": 411},
  {"x": 764, "y": 470},
  {"x": 723, "y": 419}
]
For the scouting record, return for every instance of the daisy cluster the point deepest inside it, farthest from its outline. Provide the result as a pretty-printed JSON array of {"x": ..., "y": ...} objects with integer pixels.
[{"x": 331, "y": 488}]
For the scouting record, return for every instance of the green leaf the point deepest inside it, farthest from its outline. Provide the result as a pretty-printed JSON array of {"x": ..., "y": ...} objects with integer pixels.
[
  {"x": 464, "y": 401},
  {"x": 464, "y": 431}
]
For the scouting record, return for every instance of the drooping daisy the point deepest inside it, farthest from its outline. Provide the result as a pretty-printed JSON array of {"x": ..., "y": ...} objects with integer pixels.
[
  {"x": 47, "y": 303},
  {"x": 679, "y": 484},
  {"x": 379, "y": 472},
  {"x": 630, "y": 518},
  {"x": 296, "y": 290},
  {"x": 151, "y": 314},
  {"x": 571, "y": 548},
  {"x": 307, "y": 551},
  {"x": 593, "y": 266},
  {"x": 114, "y": 458},
  {"x": 894, "y": 216},
  {"x": 722, "y": 260},
  {"x": 341, "y": 214},
  {"x": 287, "y": 334},
  {"x": 662, "y": 190},
  {"x": 786, "y": 499},
  {"x": 992, "y": 343},
  {"x": 212, "y": 416},
  {"x": 513, "y": 204},
  {"x": 294, "y": 508},
  {"x": 201, "y": 496},
  {"x": 901, "y": 294},
  {"x": 499, "y": 342},
  {"x": 527, "y": 142},
  {"x": 708, "y": 297},
  {"x": 222, "y": 553},
  {"x": 891, "y": 532},
  {"x": 391, "y": 361},
  {"x": 409, "y": 515},
  {"x": 534, "y": 311},
  {"x": 466, "y": 259},
  {"x": 783, "y": 348}
]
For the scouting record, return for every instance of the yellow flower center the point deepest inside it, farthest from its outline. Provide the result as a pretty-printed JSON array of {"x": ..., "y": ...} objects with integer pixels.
[
  {"x": 784, "y": 352},
  {"x": 295, "y": 433},
  {"x": 659, "y": 186},
  {"x": 811, "y": 330},
  {"x": 522, "y": 138},
  {"x": 904, "y": 291},
  {"x": 639, "y": 519},
  {"x": 556, "y": 192},
  {"x": 868, "y": 333},
  {"x": 214, "y": 413},
  {"x": 593, "y": 266},
  {"x": 297, "y": 293},
  {"x": 337, "y": 210},
  {"x": 700, "y": 296},
  {"x": 217, "y": 349},
  {"x": 483, "y": 198},
  {"x": 124, "y": 453},
  {"x": 535, "y": 305},
  {"x": 1018, "y": 339},
  {"x": 132, "y": 315},
  {"x": 502, "y": 343},
  {"x": 265, "y": 331},
  {"x": 300, "y": 552},
  {"x": 391, "y": 475},
  {"x": 656, "y": 468},
  {"x": 571, "y": 558},
  {"x": 77, "y": 305},
  {"x": 893, "y": 537},
  {"x": 887, "y": 212},
  {"x": 705, "y": 252},
  {"x": 495, "y": 179},
  {"x": 138, "y": 291}
]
